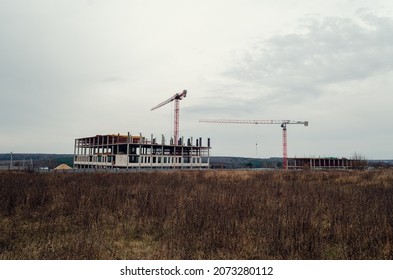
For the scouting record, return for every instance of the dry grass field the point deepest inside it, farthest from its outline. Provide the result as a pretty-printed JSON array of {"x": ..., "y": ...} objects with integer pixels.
[{"x": 197, "y": 215}]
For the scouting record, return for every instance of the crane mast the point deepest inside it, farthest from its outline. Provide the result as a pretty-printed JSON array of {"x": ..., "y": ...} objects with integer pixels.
[
  {"x": 177, "y": 97},
  {"x": 284, "y": 147},
  {"x": 283, "y": 124}
]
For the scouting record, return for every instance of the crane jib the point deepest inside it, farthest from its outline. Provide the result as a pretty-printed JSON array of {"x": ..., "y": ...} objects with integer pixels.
[
  {"x": 176, "y": 98},
  {"x": 283, "y": 124}
]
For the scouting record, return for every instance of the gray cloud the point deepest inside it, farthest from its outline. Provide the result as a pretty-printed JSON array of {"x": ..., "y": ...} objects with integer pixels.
[
  {"x": 328, "y": 51},
  {"x": 328, "y": 58},
  {"x": 333, "y": 71}
]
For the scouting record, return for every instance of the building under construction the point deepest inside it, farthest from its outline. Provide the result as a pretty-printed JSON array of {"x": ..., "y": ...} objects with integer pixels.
[
  {"x": 135, "y": 152},
  {"x": 326, "y": 163}
]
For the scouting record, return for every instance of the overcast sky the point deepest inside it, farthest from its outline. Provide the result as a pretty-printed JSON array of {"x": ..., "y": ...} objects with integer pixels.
[{"x": 71, "y": 69}]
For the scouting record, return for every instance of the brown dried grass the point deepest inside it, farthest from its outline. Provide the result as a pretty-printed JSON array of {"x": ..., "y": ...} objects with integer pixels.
[{"x": 197, "y": 215}]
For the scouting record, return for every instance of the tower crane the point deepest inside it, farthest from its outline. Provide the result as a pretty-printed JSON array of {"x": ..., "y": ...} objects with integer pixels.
[
  {"x": 177, "y": 97},
  {"x": 283, "y": 124}
]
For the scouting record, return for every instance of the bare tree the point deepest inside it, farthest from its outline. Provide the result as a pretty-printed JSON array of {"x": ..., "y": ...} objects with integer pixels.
[{"x": 359, "y": 161}]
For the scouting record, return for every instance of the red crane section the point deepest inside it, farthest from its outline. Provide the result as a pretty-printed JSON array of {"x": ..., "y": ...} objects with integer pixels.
[
  {"x": 283, "y": 124},
  {"x": 177, "y": 97}
]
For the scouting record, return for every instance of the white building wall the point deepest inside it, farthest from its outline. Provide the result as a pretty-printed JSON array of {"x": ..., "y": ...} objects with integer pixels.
[{"x": 121, "y": 160}]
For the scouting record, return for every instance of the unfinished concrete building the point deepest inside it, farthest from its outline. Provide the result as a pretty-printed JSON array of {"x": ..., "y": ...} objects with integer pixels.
[
  {"x": 135, "y": 152},
  {"x": 326, "y": 163}
]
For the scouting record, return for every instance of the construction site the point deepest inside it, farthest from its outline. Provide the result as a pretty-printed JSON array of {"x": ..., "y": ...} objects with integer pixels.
[
  {"x": 116, "y": 151},
  {"x": 126, "y": 151},
  {"x": 130, "y": 152}
]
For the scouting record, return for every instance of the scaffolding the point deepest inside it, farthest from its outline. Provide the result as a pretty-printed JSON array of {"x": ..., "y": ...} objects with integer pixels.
[{"x": 134, "y": 152}]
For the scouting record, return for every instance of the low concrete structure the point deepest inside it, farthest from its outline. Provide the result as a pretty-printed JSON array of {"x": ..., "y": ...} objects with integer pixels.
[
  {"x": 326, "y": 163},
  {"x": 130, "y": 152}
]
